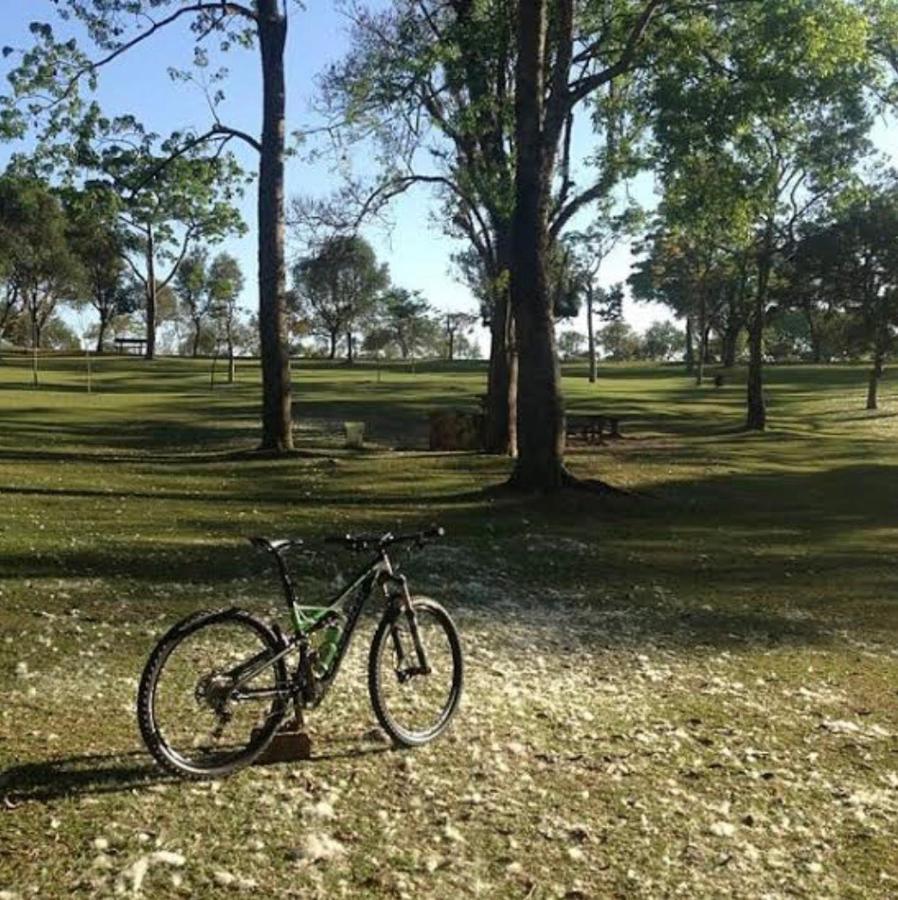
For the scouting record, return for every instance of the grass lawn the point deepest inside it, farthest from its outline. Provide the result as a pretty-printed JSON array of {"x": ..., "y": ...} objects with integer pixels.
[{"x": 692, "y": 693}]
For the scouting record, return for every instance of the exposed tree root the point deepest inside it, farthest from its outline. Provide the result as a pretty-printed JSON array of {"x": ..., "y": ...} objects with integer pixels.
[{"x": 566, "y": 482}]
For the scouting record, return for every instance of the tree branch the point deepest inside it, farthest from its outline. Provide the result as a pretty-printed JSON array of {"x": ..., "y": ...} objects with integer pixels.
[
  {"x": 584, "y": 86},
  {"x": 224, "y": 6}
]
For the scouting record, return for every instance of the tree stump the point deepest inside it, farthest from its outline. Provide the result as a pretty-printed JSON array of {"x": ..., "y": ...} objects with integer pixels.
[{"x": 456, "y": 430}]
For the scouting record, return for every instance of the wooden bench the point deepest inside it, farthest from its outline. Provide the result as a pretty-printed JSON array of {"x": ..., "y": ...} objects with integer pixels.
[
  {"x": 592, "y": 428},
  {"x": 122, "y": 342}
]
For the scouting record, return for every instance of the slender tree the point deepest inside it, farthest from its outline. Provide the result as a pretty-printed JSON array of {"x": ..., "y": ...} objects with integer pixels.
[
  {"x": 406, "y": 319},
  {"x": 225, "y": 284},
  {"x": 337, "y": 288},
  {"x": 457, "y": 325},
  {"x": 97, "y": 241},
  {"x": 193, "y": 290}
]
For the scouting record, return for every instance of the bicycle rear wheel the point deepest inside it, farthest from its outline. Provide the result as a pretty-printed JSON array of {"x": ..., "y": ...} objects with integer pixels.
[
  {"x": 415, "y": 706},
  {"x": 192, "y": 716}
]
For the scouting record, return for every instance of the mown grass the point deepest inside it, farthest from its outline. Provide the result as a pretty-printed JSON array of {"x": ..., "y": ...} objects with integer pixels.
[{"x": 690, "y": 692}]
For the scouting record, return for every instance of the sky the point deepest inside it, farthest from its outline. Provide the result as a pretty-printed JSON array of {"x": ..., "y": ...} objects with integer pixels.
[{"x": 417, "y": 253}]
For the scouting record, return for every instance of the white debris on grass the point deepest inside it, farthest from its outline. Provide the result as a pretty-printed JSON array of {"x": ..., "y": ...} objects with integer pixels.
[
  {"x": 132, "y": 878},
  {"x": 319, "y": 847}
]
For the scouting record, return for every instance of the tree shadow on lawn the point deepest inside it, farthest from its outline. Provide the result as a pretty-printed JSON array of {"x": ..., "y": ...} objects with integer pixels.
[{"x": 764, "y": 542}]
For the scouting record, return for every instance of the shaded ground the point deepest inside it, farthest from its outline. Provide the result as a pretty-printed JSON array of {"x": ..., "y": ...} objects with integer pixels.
[{"x": 688, "y": 695}]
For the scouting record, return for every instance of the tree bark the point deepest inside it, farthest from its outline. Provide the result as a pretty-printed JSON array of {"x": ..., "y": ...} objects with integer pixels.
[
  {"x": 333, "y": 350},
  {"x": 502, "y": 386},
  {"x": 101, "y": 332},
  {"x": 349, "y": 347},
  {"x": 756, "y": 413},
  {"x": 540, "y": 462},
  {"x": 277, "y": 424},
  {"x": 689, "y": 356},
  {"x": 729, "y": 339},
  {"x": 873, "y": 384},
  {"x": 501, "y": 435},
  {"x": 196, "y": 338},
  {"x": 151, "y": 294}
]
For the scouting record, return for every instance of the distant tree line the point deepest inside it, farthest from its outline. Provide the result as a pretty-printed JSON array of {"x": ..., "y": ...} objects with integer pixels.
[
  {"x": 62, "y": 248},
  {"x": 344, "y": 300},
  {"x": 829, "y": 292}
]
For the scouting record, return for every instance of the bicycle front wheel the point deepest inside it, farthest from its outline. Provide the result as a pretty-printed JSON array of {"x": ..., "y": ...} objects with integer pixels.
[
  {"x": 198, "y": 717},
  {"x": 412, "y": 702}
]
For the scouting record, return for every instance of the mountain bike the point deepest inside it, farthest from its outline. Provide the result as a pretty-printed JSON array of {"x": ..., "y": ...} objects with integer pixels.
[{"x": 220, "y": 683}]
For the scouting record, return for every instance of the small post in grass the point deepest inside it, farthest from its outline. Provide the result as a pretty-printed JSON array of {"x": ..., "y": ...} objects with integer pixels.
[{"x": 291, "y": 742}]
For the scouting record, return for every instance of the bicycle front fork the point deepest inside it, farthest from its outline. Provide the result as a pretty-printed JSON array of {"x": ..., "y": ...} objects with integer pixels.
[{"x": 402, "y": 598}]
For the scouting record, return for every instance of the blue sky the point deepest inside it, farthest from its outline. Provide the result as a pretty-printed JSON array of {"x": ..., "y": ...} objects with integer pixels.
[{"x": 418, "y": 255}]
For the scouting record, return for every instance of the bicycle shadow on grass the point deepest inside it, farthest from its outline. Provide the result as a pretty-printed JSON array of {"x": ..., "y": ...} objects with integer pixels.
[
  {"x": 73, "y": 776},
  {"x": 94, "y": 774}
]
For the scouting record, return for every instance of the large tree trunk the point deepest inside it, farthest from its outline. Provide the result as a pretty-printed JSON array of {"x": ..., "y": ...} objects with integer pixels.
[
  {"x": 689, "y": 356},
  {"x": 729, "y": 340},
  {"x": 756, "y": 413},
  {"x": 591, "y": 335},
  {"x": 502, "y": 388},
  {"x": 349, "y": 347},
  {"x": 873, "y": 384},
  {"x": 540, "y": 462},
  {"x": 333, "y": 350},
  {"x": 277, "y": 424},
  {"x": 196, "y": 338},
  {"x": 151, "y": 294}
]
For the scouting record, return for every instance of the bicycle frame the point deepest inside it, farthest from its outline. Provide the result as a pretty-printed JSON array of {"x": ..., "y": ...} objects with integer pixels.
[{"x": 305, "y": 684}]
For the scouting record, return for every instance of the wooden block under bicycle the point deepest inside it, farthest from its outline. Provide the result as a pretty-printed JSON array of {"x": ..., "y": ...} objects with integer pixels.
[{"x": 290, "y": 744}]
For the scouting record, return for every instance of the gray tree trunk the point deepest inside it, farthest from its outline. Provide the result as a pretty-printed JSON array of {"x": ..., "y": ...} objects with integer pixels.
[
  {"x": 151, "y": 294},
  {"x": 756, "y": 412},
  {"x": 873, "y": 384},
  {"x": 277, "y": 424},
  {"x": 502, "y": 386},
  {"x": 540, "y": 461}
]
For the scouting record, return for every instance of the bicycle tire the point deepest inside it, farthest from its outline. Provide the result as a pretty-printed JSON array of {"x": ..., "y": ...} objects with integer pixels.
[
  {"x": 153, "y": 735},
  {"x": 402, "y": 736}
]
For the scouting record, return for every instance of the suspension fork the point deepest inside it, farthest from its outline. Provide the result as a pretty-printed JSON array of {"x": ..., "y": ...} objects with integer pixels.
[{"x": 406, "y": 607}]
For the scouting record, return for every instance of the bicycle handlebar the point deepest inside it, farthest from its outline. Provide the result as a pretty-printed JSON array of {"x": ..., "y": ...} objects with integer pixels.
[{"x": 360, "y": 542}]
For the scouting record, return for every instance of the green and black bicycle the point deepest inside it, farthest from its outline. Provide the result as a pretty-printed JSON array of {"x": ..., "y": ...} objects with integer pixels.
[{"x": 217, "y": 686}]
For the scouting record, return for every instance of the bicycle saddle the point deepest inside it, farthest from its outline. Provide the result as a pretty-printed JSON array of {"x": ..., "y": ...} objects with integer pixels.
[{"x": 275, "y": 546}]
